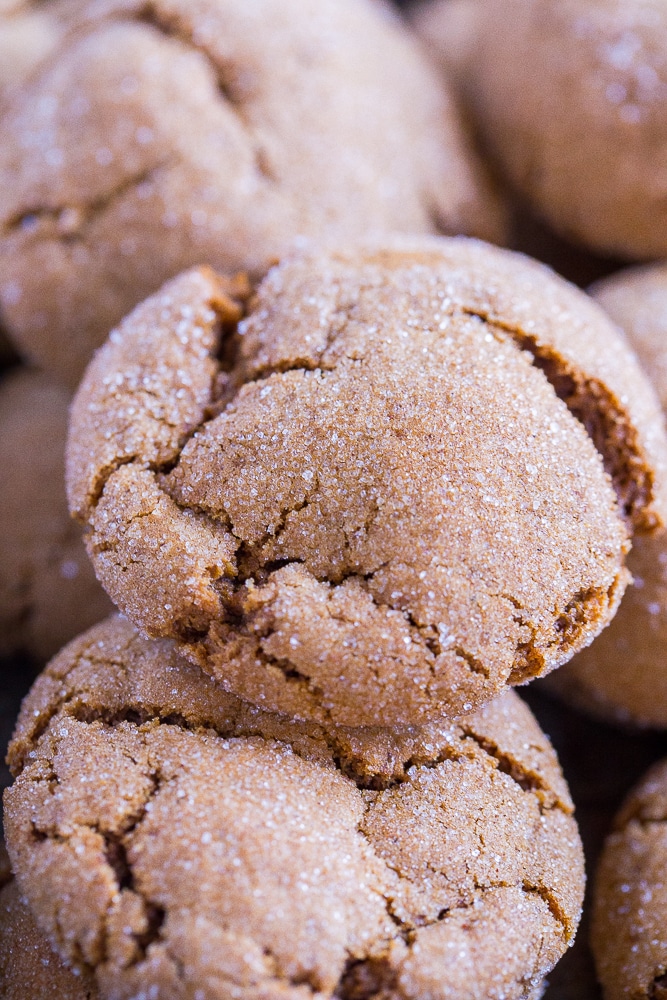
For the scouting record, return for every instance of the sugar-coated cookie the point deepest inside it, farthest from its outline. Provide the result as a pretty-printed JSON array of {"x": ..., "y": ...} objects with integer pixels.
[
  {"x": 382, "y": 496},
  {"x": 622, "y": 676},
  {"x": 628, "y": 934},
  {"x": 570, "y": 97},
  {"x": 48, "y": 591},
  {"x": 172, "y": 839},
  {"x": 29, "y": 968},
  {"x": 183, "y": 132},
  {"x": 29, "y": 32}
]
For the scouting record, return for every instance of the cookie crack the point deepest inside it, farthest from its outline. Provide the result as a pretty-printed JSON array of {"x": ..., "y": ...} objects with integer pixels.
[
  {"x": 602, "y": 416},
  {"x": 528, "y": 780},
  {"x": 175, "y": 26},
  {"x": 69, "y": 222}
]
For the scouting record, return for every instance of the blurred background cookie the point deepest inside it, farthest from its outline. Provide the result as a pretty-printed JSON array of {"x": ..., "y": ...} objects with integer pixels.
[
  {"x": 630, "y": 896},
  {"x": 326, "y": 488},
  {"x": 48, "y": 591},
  {"x": 569, "y": 97},
  {"x": 197, "y": 844},
  {"x": 225, "y": 134},
  {"x": 623, "y": 674}
]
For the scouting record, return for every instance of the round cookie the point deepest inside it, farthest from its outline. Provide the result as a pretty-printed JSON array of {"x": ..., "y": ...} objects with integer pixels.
[
  {"x": 622, "y": 676},
  {"x": 314, "y": 503},
  {"x": 29, "y": 968},
  {"x": 226, "y": 134},
  {"x": 199, "y": 847},
  {"x": 570, "y": 97},
  {"x": 630, "y": 896},
  {"x": 48, "y": 591}
]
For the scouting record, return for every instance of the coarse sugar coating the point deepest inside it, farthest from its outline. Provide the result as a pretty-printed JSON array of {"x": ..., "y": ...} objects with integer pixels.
[
  {"x": 29, "y": 968},
  {"x": 628, "y": 934},
  {"x": 341, "y": 507},
  {"x": 622, "y": 676},
  {"x": 169, "y": 836},
  {"x": 48, "y": 591},
  {"x": 570, "y": 97},
  {"x": 225, "y": 134}
]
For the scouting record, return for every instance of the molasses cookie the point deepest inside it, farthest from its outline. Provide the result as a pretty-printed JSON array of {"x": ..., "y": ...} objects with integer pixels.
[
  {"x": 29, "y": 968},
  {"x": 48, "y": 591},
  {"x": 630, "y": 896},
  {"x": 173, "y": 133},
  {"x": 623, "y": 675},
  {"x": 176, "y": 842},
  {"x": 570, "y": 97},
  {"x": 380, "y": 496}
]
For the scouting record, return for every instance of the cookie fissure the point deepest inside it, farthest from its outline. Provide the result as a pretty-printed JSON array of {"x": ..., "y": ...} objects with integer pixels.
[
  {"x": 226, "y": 77},
  {"x": 657, "y": 990},
  {"x": 368, "y": 979},
  {"x": 556, "y": 910},
  {"x": 69, "y": 222},
  {"x": 603, "y": 417}
]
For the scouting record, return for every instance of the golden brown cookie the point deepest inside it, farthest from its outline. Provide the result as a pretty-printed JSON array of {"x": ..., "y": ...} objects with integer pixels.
[
  {"x": 368, "y": 502},
  {"x": 48, "y": 591},
  {"x": 170, "y": 838},
  {"x": 630, "y": 896},
  {"x": 225, "y": 134},
  {"x": 29, "y": 968},
  {"x": 623, "y": 675},
  {"x": 570, "y": 97}
]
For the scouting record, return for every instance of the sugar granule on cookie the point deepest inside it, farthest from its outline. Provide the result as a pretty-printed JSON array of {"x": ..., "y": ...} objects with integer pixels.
[
  {"x": 198, "y": 846},
  {"x": 382, "y": 496}
]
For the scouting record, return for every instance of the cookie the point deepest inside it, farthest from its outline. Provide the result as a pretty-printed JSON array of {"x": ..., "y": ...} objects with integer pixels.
[
  {"x": 622, "y": 677},
  {"x": 225, "y": 134},
  {"x": 48, "y": 591},
  {"x": 199, "y": 847},
  {"x": 29, "y": 968},
  {"x": 313, "y": 504},
  {"x": 630, "y": 896},
  {"x": 448, "y": 29},
  {"x": 569, "y": 96}
]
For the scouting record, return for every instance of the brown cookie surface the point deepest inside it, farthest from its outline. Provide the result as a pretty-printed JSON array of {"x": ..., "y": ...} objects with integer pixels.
[
  {"x": 630, "y": 896},
  {"x": 226, "y": 134},
  {"x": 48, "y": 591},
  {"x": 29, "y": 968},
  {"x": 315, "y": 509},
  {"x": 570, "y": 97},
  {"x": 622, "y": 676},
  {"x": 29, "y": 32},
  {"x": 195, "y": 843}
]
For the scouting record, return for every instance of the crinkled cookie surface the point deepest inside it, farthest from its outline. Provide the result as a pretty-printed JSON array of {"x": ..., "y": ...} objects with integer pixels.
[
  {"x": 225, "y": 134},
  {"x": 375, "y": 500},
  {"x": 630, "y": 896},
  {"x": 168, "y": 836}
]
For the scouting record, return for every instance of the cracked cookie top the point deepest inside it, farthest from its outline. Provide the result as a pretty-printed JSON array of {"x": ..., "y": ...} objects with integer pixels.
[
  {"x": 168, "y": 836},
  {"x": 630, "y": 895},
  {"x": 225, "y": 134},
  {"x": 380, "y": 496},
  {"x": 48, "y": 592},
  {"x": 28, "y": 965}
]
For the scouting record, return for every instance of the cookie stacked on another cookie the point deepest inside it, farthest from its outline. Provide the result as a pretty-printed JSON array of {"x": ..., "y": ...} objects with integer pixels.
[{"x": 175, "y": 841}]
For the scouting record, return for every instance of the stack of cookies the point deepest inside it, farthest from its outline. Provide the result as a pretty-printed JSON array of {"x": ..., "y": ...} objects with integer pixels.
[{"x": 347, "y": 475}]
